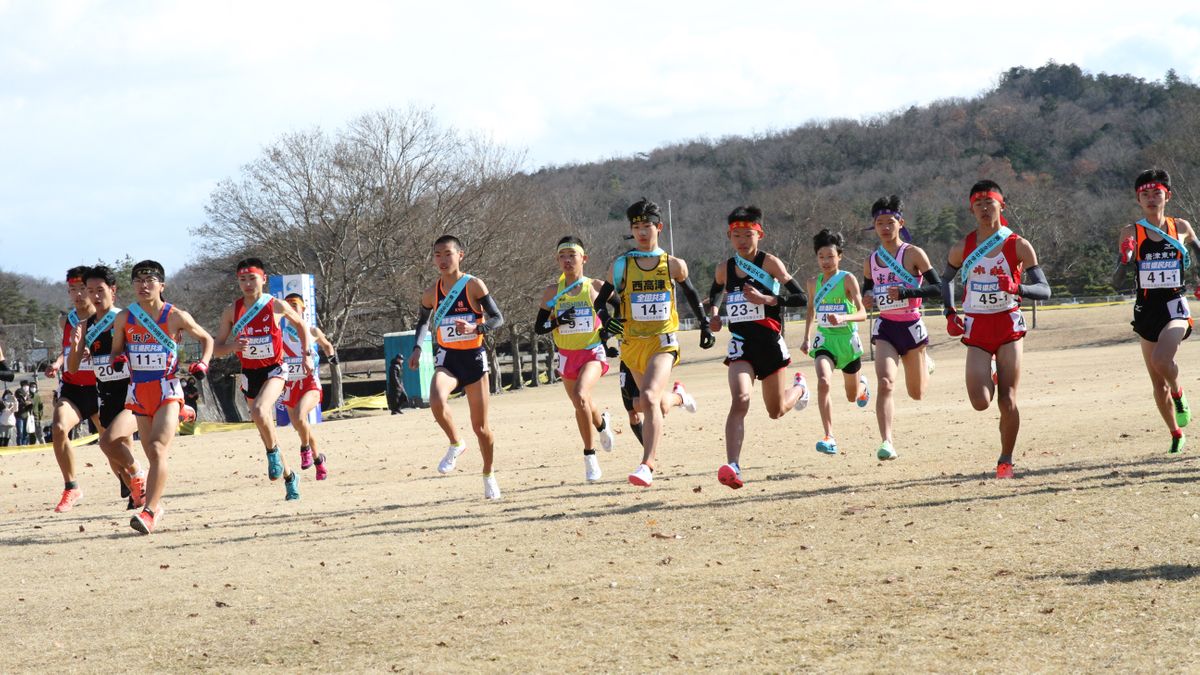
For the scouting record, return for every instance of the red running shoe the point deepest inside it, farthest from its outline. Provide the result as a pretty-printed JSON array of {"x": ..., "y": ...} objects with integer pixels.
[{"x": 1004, "y": 470}]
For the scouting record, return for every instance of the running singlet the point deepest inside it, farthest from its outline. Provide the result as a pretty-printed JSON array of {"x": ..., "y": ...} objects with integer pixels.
[
  {"x": 266, "y": 340},
  {"x": 448, "y": 336},
  {"x": 101, "y": 350},
  {"x": 983, "y": 294},
  {"x": 149, "y": 360},
  {"x": 1159, "y": 265},
  {"x": 741, "y": 311},
  {"x": 84, "y": 377},
  {"x": 583, "y": 331},
  {"x": 647, "y": 299},
  {"x": 834, "y": 302},
  {"x": 885, "y": 277},
  {"x": 293, "y": 362}
]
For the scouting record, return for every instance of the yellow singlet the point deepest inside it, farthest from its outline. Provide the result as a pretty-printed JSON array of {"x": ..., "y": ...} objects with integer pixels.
[
  {"x": 583, "y": 332},
  {"x": 648, "y": 300}
]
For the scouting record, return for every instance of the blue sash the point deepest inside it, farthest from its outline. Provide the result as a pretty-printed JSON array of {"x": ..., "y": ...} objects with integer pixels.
[
  {"x": 895, "y": 266},
  {"x": 833, "y": 281},
  {"x": 100, "y": 326},
  {"x": 447, "y": 302},
  {"x": 759, "y": 274},
  {"x": 251, "y": 313},
  {"x": 1178, "y": 245},
  {"x": 568, "y": 289},
  {"x": 982, "y": 249},
  {"x": 152, "y": 326},
  {"x": 290, "y": 330},
  {"x": 619, "y": 263},
  {"x": 73, "y": 318}
]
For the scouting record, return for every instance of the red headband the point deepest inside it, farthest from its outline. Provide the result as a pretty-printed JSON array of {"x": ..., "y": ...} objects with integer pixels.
[
  {"x": 1154, "y": 186},
  {"x": 250, "y": 269},
  {"x": 74, "y": 280},
  {"x": 990, "y": 194},
  {"x": 746, "y": 225}
]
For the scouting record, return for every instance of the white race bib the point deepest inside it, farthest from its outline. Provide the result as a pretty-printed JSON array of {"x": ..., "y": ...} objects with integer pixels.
[
  {"x": 448, "y": 330},
  {"x": 651, "y": 306},
  {"x": 883, "y": 303},
  {"x": 740, "y": 310},
  {"x": 1178, "y": 308},
  {"x": 102, "y": 364},
  {"x": 1160, "y": 273},
  {"x": 148, "y": 360},
  {"x": 293, "y": 368},
  {"x": 985, "y": 297},
  {"x": 259, "y": 347},
  {"x": 825, "y": 309},
  {"x": 582, "y": 322}
]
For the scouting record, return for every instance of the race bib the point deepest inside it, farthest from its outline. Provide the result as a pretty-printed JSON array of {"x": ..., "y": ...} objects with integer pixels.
[
  {"x": 448, "y": 330},
  {"x": 918, "y": 331},
  {"x": 102, "y": 364},
  {"x": 884, "y": 303},
  {"x": 739, "y": 309},
  {"x": 259, "y": 347},
  {"x": 1160, "y": 273},
  {"x": 735, "y": 350},
  {"x": 293, "y": 368},
  {"x": 155, "y": 360},
  {"x": 84, "y": 364},
  {"x": 825, "y": 309},
  {"x": 986, "y": 297},
  {"x": 580, "y": 323},
  {"x": 651, "y": 306},
  {"x": 668, "y": 340},
  {"x": 818, "y": 341}
]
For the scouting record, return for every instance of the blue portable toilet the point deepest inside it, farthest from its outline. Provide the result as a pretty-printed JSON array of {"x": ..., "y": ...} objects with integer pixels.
[{"x": 416, "y": 382}]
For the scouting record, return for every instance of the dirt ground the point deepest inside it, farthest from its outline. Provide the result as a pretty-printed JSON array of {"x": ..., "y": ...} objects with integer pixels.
[{"x": 1087, "y": 561}]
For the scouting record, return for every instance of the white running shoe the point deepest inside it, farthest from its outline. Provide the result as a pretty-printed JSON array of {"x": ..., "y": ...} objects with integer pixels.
[
  {"x": 642, "y": 477},
  {"x": 687, "y": 402},
  {"x": 929, "y": 365},
  {"x": 591, "y": 468},
  {"x": 802, "y": 402},
  {"x": 865, "y": 397},
  {"x": 491, "y": 489},
  {"x": 606, "y": 435},
  {"x": 451, "y": 458}
]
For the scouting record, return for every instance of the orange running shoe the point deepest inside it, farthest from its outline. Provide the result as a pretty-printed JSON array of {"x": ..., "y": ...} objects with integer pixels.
[
  {"x": 1004, "y": 470},
  {"x": 137, "y": 491},
  {"x": 70, "y": 498},
  {"x": 145, "y": 520}
]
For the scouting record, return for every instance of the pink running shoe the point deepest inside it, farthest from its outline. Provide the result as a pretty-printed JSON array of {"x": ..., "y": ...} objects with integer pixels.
[
  {"x": 69, "y": 499},
  {"x": 322, "y": 472},
  {"x": 685, "y": 399},
  {"x": 1004, "y": 470},
  {"x": 729, "y": 475},
  {"x": 306, "y": 458}
]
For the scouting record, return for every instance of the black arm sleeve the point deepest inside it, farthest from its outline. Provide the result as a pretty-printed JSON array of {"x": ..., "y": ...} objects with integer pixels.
[
  {"x": 544, "y": 323},
  {"x": 796, "y": 297},
  {"x": 931, "y": 288},
  {"x": 867, "y": 285},
  {"x": 714, "y": 294},
  {"x": 1039, "y": 289},
  {"x": 423, "y": 324},
  {"x": 494, "y": 318},
  {"x": 602, "y": 297},
  {"x": 947, "y": 289},
  {"x": 693, "y": 300}
]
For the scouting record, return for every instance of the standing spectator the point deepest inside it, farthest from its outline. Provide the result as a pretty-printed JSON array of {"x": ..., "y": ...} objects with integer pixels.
[
  {"x": 191, "y": 394},
  {"x": 35, "y": 415},
  {"x": 396, "y": 396},
  {"x": 8, "y": 417},
  {"x": 24, "y": 407}
]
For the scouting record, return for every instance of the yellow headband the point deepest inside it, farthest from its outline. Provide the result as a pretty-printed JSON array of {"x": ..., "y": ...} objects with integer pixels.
[{"x": 569, "y": 245}]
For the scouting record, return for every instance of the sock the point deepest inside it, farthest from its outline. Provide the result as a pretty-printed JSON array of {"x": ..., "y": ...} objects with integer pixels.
[
  {"x": 735, "y": 467},
  {"x": 637, "y": 431},
  {"x": 71, "y": 485},
  {"x": 319, "y": 459},
  {"x": 274, "y": 449},
  {"x": 588, "y": 452},
  {"x": 1004, "y": 460},
  {"x": 305, "y": 448},
  {"x": 601, "y": 426},
  {"x": 1177, "y": 433}
]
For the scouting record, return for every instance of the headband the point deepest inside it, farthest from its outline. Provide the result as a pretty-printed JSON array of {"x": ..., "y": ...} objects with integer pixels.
[
  {"x": 147, "y": 270},
  {"x": 74, "y": 280},
  {"x": 634, "y": 220},
  {"x": 886, "y": 212},
  {"x": 746, "y": 225},
  {"x": 251, "y": 269},
  {"x": 1154, "y": 186},
  {"x": 990, "y": 194},
  {"x": 571, "y": 246}
]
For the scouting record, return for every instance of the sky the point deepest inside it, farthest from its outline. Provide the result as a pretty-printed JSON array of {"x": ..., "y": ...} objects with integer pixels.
[{"x": 118, "y": 118}]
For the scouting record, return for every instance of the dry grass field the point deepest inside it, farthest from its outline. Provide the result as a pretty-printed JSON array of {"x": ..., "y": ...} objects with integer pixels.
[{"x": 1087, "y": 561}]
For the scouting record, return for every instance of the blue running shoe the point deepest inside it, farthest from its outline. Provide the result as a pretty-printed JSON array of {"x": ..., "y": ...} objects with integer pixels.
[
  {"x": 292, "y": 483},
  {"x": 274, "y": 464},
  {"x": 827, "y": 446}
]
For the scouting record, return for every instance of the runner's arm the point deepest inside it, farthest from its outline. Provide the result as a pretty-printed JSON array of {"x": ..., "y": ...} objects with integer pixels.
[
  {"x": 947, "y": 289},
  {"x": 221, "y": 342},
  {"x": 423, "y": 314},
  {"x": 854, "y": 295},
  {"x": 298, "y": 321},
  {"x": 184, "y": 322},
  {"x": 494, "y": 318},
  {"x": 931, "y": 288},
  {"x": 1039, "y": 289},
  {"x": 76, "y": 357},
  {"x": 324, "y": 343}
]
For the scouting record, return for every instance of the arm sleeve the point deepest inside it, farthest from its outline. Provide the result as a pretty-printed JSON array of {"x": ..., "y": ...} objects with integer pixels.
[
  {"x": 494, "y": 318},
  {"x": 795, "y": 296},
  {"x": 693, "y": 300},
  {"x": 947, "y": 289},
  {"x": 602, "y": 297},
  {"x": 714, "y": 294},
  {"x": 544, "y": 323},
  {"x": 930, "y": 288},
  {"x": 1039, "y": 289},
  {"x": 423, "y": 324},
  {"x": 867, "y": 285}
]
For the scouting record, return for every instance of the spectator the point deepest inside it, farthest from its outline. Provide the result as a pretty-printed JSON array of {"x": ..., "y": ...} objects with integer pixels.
[
  {"x": 24, "y": 410},
  {"x": 397, "y": 398},
  {"x": 191, "y": 394},
  {"x": 36, "y": 415},
  {"x": 8, "y": 418}
]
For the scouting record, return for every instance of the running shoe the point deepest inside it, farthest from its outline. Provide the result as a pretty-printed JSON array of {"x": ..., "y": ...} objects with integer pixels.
[
  {"x": 606, "y": 432},
  {"x": 322, "y": 472},
  {"x": 865, "y": 397},
  {"x": 451, "y": 458},
  {"x": 929, "y": 365},
  {"x": 827, "y": 446},
  {"x": 1004, "y": 470},
  {"x": 1183, "y": 414},
  {"x": 137, "y": 491},
  {"x": 730, "y": 475},
  {"x": 491, "y": 489},
  {"x": 1177, "y": 443},
  {"x": 686, "y": 401},
  {"x": 802, "y": 402},
  {"x": 124, "y": 488},
  {"x": 145, "y": 521},
  {"x": 886, "y": 451},
  {"x": 70, "y": 498},
  {"x": 274, "y": 464},
  {"x": 292, "y": 485},
  {"x": 591, "y": 468},
  {"x": 643, "y": 476},
  {"x": 306, "y": 458},
  {"x": 187, "y": 413}
]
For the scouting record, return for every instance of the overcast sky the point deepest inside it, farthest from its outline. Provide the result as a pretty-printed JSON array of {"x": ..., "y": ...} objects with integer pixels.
[{"x": 117, "y": 118}]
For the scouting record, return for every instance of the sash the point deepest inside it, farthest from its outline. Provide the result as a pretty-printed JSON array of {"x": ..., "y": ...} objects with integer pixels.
[
  {"x": 1178, "y": 245},
  {"x": 73, "y": 317},
  {"x": 290, "y": 330},
  {"x": 565, "y": 291},
  {"x": 447, "y": 302},
  {"x": 100, "y": 326},
  {"x": 982, "y": 249},
  {"x": 757, "y": 273},
  {"x": 895, "y": 266},
  {"x": 252, "y": 312},
  {"x": 833, "y": 281},
  {"x": 154, "y": 329},
  {"x": 619, "y": 263}
]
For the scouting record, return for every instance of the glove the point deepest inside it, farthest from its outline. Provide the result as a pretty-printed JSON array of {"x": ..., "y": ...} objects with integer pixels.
[
  {"x": 954, "y": 325},
  {"x": 707, "y": 339},
  {"x": 1007, "y": 284},
  {"x": 567, "y": 316},
  {"x": 611, "y": 352},
  {"x": 332, "y": 359},
  {"x": 118, "y": 363},
  {"x": 615, "y": 326},
  {"x": 198, "y": 370},
  {"x": 1197, "y": 292},
  {"x": 1128, "y": 250}
]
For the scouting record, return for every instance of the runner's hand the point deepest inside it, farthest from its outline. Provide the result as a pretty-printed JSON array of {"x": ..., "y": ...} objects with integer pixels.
[
  {"x": 754, "y": 295},
  {"x": 707, "y": 340},
  {"x": 51, "y": 371},
  {"x": 833, "y": 319},
  {"x": 332, "y": 359},
  {"x": 804, "y": 346},
  {"x": 414, "y": 359},
  {"x": 567, "y": 316},
  {"x": 714, "y": 324},
  {"x": 894, "y": 293},
  {"x": 615, "y": 325},
  {"x": 465, "y": 327},
  {"x": 199, "y": 370},
  {"x": 1197, "y": 292},
  {"x": 954, "y": 325},
  {"x": 611, "y": 352},
  {"x": 118, "y": 363},
  {"x": 1006, "y": 284},
  {"x": 1128, "y": 250}
]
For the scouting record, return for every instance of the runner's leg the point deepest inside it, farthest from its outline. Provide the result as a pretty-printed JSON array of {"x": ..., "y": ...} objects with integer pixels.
[
  {"x": 741, "y": 385},
  {"x": 1008, "y": 374},
  {"x": 824, "y": 384},
  {"x": 439, "y": 396},
  {"x": 887, "y": 362},
  {"x": 653, "y": 384},
  {"x": 477, "y": 401},
  {"x": 916, "y": 374},
  {"x": 66, "y": 417},
  {"x": 156, "y": 434},
  {"x": 980, "y": 388}
]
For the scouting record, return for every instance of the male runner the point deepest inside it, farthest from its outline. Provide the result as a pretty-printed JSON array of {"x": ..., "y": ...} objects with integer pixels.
[{"x": 303, "y": 392}]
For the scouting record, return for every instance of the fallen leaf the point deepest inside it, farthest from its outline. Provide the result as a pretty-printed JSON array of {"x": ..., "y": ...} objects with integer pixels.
[
  {"x": 698, "y": 488},
  {"x": 660, "y": 535},
  {"x": 163, "y": 567},
  {"x": 221, "y": 603}
]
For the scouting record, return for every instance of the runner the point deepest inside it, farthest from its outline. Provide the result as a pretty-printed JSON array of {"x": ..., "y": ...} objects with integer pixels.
[
  {"x": 893, "y": 275},
  {"x": 751, "y": 282},
  {"x": 303, "y": 392},
  {"x": 566, "y": 310},
  {"x": 253, "y": 322},
  {"x": 1161, "y": 317},
  {"x": 93, "y": 341},
  {"x": 458, "y": 303},
  {"x": 649, "y": 346},
  {"x": 147, "y": 341},
  {"x": 76, "y": 397},
  {"x": 993, "y": 262},
  {"x": 836, "y": 305}
]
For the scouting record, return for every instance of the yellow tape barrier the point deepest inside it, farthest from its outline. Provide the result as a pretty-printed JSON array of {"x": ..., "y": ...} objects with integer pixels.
[{"x": 16, "y": 450}]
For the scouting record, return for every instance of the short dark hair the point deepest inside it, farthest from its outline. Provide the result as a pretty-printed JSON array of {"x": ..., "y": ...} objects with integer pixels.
[
  {"x": 826, "y": 238},
  {"x": 890, "y": 203},
  {"x": 450, "y": 239},
  {"x": 77, "y": 272},
  {"x": 745, "y": 214},
  {"x": 570, "y": 239},
  {"x": 102, "y": 272},
  {"x": 643, "y": 211},
  {"x": 297, "y": 296},
  {"x": 148, "y": 267},
  {"x": 985, "y": 185},
  {"x": 1152, "y": 176},
  {"x": 251, "y": 262}
]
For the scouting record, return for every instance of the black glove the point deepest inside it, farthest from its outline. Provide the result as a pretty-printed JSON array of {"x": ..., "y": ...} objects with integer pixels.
[
  {"x": 567, "y": 316},
  {"x": 707, "y": 339},
  {"x": 611, "y": 352},
  {"x": 332, "y": 359},
  {"x": 118, "y": 363},
  {"x": 615, "y": 325}
]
